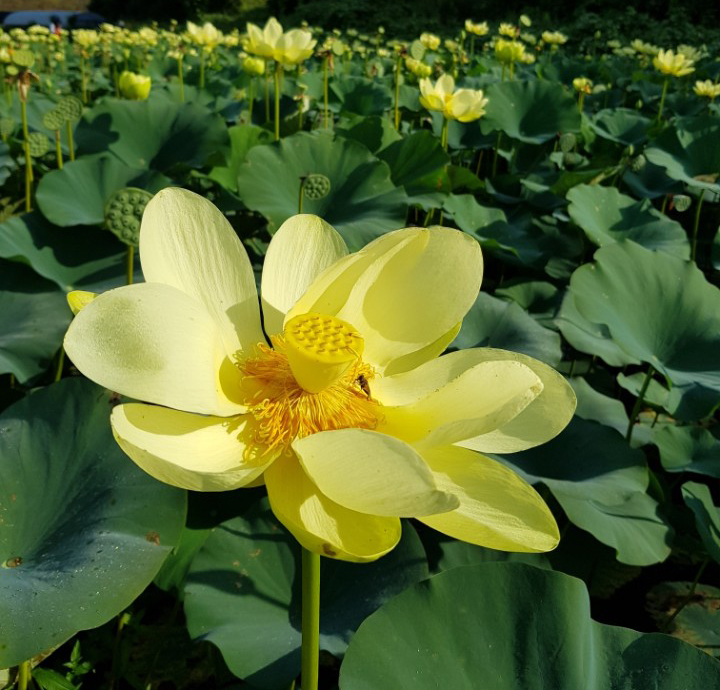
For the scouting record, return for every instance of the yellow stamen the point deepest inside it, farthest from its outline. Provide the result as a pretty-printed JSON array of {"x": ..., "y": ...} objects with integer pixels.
[
  {"x": 283, "y": 410},
  {"x": 320, "y": 349}
]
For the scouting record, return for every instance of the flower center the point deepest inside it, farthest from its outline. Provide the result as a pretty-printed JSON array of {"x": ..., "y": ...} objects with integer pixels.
[{"x": 312, "y": 379}]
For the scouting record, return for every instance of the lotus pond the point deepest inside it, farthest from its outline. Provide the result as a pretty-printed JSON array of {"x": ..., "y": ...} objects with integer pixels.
[{"x": 512, "y": 487}]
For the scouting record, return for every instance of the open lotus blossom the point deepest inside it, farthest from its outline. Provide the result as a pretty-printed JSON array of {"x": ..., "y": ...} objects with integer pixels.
[
  {"x": 676, "y": 65},
  {"x": 289, "y": 48},
  {"x": 336, "y": 397},
  {"x": 707, "y": 88},
  {"x": 206, "y": 35},
  {"x": 464, "y": 105}
]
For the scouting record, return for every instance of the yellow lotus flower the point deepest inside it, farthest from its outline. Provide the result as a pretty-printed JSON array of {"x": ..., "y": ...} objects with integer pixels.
[
  {"x": 464, "y": 105},
  {"x": 255, "y": 66},
  {"x": 348, "y": 415},
  {"x": 479, "y": 29},
  {"x": 707, "y": 89},
  {"x": 510, "y": 30},
  {"x": 673, "y": 64},
  {"x": 430, "y": 41},
  {"x": 206, "y": 35},
  {"x": 582, "y": 85},
  {"x": 554, "y": 38},
  {"x": 289, "y": 48},
  {"x": 417, "y": 67},
  {"x": 508, "y": 52},
  {"x": 135, "y": 87}
]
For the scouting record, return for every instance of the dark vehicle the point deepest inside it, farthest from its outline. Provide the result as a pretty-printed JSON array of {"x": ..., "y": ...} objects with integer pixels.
[{"x": 66, "y": 18}]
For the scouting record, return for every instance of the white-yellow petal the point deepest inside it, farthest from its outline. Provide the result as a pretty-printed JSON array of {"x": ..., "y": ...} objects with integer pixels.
[
  {"x": 371, "y": 473},
  {"x": 152, "y": 342},
  {"x": 402, "y": 292},
  {"x": 187, "y": 450},
  {"x": 498, "y": 509},
  {"x": 320, "y": 524},
  {"x": 186, "y": 242},
  {"x": 302, "y": 248},
  {"x": 541, "y": 421},
  {"x": 466, "y": 403}
]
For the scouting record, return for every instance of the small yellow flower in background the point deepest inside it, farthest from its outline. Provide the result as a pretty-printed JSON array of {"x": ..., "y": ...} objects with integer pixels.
[
  {"x": 430, "y": 41},
  {"x": 508, "y": 52},
  {"x": 510, "y": 30},
  {"x": 78, "y": 299},
  {"x": 135, "y": 87},
  {"x": 707, "y": 89},
  {"x": 348, "y": 414},
  {"x": 206, "y": 35},
  {"x": 288, "y": 48},
  {"x": 554, "y": 38},
  {"x": 691, "y": 52},
  {"x": 582, "y": 85},
  {"x": 525, "y": 20},
  {"x": 464, "y": 105},
  {"x": 255, "y": 66},
  {"x": 86, "y": 38},
  {"x": 676, "y": 65},
  {"x": 479, "y": 29},
  {"x": 418, "y": 68}
]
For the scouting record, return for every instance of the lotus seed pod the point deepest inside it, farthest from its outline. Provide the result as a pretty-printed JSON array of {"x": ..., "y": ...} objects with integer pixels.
[
  {"x": 70, "y": 108},
  {"x": 123, "y": 213},
  {"x": 23, "y": 58},
  {"x": 567, "y": 142},
  {"x": 316, "y": 186},
  {"x": 38, "y": 144},
  {"x": 7, "y": 126},
  {"x": 682, "y": 202},
  {"x": 53, "y": 119}
]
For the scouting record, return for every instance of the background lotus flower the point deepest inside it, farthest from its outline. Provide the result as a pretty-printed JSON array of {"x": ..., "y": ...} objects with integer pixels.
[
  {"x": 135, "y": 87},
  {"x": 674, "y": 64},
  {"x": 349, "y": 416},
  {"x": 289, "y": 48},
  {"x": 206, "y": 35},
  {"x": 464, "y": 105}
]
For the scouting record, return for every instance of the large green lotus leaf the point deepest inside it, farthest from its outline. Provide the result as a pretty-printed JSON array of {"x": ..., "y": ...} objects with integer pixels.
[
  {"x": 506, "y": 626},
  {"x": 532, "y": 111},
  {"x": 707, "y": 516},
  {"x": 72, "y": 258},
  {"x": 688, "y": 449},
  {"x": 33, "y": 321},
  {"x": 621, "y": 125},
  {"x": 242, "y": 139},
  {"x": 699, "y": 620},
  {"x": 660, "y": 310},
  {"x": 586, "y": 461},
  {"x": 76, "y": 195},
  {"x": 83, "y": 529},
  {"x": 374, "y": 132},
  {"x": 636, "y": 529},
  {"x": 592, "y": 338},
  {"x": 243, "y": 594},
  {"x": 537, "y": 297},
  {"x": 155, "y": 133},
  {"x": 656, "y": 393},
  {"x": 493, "y": 322},
  {"x": 362, "y": 203},
  {"x": 417, "y": 163},
  {"x": 651, "y": 182},
  {"x": 690, "y": 152},
  {"x": 607, "y": 216},
  {"x": 359, "y": 95}
]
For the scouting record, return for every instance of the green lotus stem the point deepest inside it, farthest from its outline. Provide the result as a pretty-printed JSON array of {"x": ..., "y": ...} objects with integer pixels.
[
  {"x": 300, "y": 102},
  {"x": 278, "y": 69},
  {"x": 502, "y": 78},
  {"x": 181, "y": 79},
  {"x": 444, "y": 134},
  {"x": 696, "y": 225},
  {"x": 130, "y": 264},
  {"x": 26, "y": 152},
  {"x": 309, "y": 665},
  {"x": 495, "y": 156},
  {"x": 71, "y": 143},
  {"x": 302, "y": 190},
  {"x": 24, "y": 675},
  {"x": 664, "y": 203},
  {"x": 202, "y": 69},
  {"x": 662, "y": 100},
  {"x": 251, "y": 98},
  {"x": 428, "y": 217},
  {"x": 688, "y": 597},
  {"x": 83, "y": 81},
  {"x": 472, "y": 46},
  {"x": 58, "y": 150},
  {"x": 326, "y": 110},
  {"x": 60, "y": 364},
  {"x": 581, "y": 101},
  {"x": 638, "y": 403},
  {"x": 267, "y": 97},
  {"x": 479, "y": 163},
  {"x": 398, "y": 71}
]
